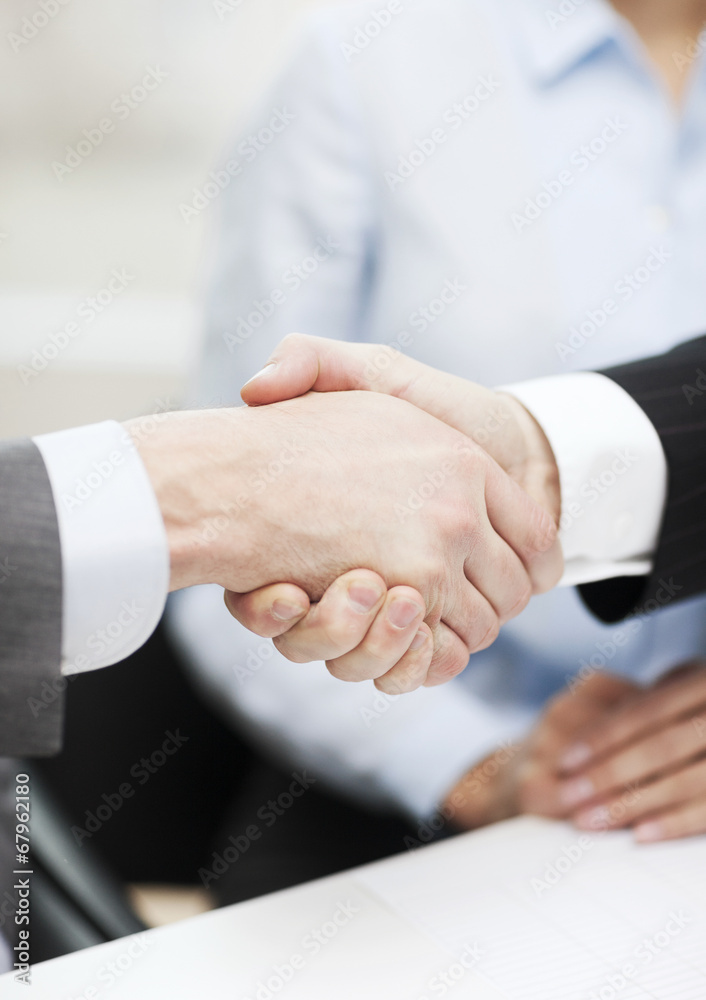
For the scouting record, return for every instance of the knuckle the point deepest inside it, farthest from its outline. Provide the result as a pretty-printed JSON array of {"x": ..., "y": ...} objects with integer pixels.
[
  {"x": 341, "y": 670},
  {"x": 486, "y": 631},
  {"x": 556, "y": 708},
  {"x": 542, "y": 532},
  {"x": 608, "y": 775},
  {"x": 291, "y": 650},
  {"x": 295, "y": 340},
  {"x": 448, "y": 662},
  {"x": 522, "y": 592},
  {"x": 396, "y": 682}
]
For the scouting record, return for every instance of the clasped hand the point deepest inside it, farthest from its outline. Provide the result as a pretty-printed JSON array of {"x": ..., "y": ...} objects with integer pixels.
[{"x": 454, "y": 537}]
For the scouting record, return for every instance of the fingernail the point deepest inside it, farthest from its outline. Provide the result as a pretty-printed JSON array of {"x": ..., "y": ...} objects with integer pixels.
[
  {"x": 263, "y": 371},
  {"x": 593, "y": 819},
  {"x": 578, "y": 790},
  {"x": 649, "y": 833},
  {"x": 363, "y": 598},
  {"x": 402, "y": 613},
  {"x": 283, "y": 611},
  {"x": 575, "y": 757},
  {"x": 419, "y": 640}
]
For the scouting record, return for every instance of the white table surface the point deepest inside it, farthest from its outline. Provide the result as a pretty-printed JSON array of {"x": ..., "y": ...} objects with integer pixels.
[{"x": 404, "y": 922}]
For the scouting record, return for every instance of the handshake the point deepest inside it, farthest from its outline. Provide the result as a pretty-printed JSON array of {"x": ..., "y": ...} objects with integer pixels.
[{"x": 411, "y": 513}]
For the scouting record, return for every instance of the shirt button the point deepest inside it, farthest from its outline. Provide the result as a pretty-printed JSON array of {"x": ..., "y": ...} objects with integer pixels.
[
  {"x": 658, "y": 218},
  {"x": 623, "y": 524}
]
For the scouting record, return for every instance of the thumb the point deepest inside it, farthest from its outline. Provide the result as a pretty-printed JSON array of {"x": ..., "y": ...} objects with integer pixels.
[{"x": 302, "y": 363}]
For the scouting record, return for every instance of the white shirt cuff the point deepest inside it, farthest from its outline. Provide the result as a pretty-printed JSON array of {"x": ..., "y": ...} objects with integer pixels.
[
  {"x": 612, "y": 470},
  {"x": 115, "y": 557}
]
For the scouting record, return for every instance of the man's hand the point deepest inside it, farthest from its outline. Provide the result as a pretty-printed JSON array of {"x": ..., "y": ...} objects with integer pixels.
[
  {"x": 358, "y": 622},
  {"x": 307, "y": 490},
  {"x": 644, "y": 766},
  {"x": 526, "y": 777},
  {"x": 495, "y": 421}
]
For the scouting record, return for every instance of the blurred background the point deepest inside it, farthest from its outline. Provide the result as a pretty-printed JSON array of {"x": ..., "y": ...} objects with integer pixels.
[{"x": 62, "y": 233}]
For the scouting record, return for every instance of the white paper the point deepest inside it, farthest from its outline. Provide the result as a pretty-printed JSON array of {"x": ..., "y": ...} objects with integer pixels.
[{"x": 559, "y": 915}]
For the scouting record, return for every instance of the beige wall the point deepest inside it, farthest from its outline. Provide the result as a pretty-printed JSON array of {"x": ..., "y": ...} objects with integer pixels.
[{"x": 60, "y": 239}]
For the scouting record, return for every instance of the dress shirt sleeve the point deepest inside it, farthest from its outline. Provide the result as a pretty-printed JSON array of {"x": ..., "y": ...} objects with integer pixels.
[
  {"x": 612, "y": 470},
  {"x": 115, "y": 557}
]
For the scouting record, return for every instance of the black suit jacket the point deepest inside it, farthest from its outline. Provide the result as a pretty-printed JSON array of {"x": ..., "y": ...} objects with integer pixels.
[
  {"x": 30, "y": 605},
  {"x": 671, "y": 389}
]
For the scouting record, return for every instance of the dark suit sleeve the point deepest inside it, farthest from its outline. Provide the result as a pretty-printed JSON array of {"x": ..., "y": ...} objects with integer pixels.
[
  {"x": 30, "y": 605},
  {"x": 671, "y": 389}
]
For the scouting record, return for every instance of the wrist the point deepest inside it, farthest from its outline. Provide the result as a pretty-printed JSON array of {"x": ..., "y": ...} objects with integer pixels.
[{"x": 191, "y": 459}]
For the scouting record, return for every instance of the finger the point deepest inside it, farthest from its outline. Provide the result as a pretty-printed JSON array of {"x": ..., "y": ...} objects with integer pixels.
[
  {"x": 634, "y": 764},
  {"x": 387, "y": 640},
  {"x": 680, "y": 672},
  {"x": 269, "y": 611},
  {"x": 576, "y": 710},
  {"x": 497, "y": 573},
  {"x": 538, "y": 791},
  {"x": 684, "y": 696},
  {"x": 676, "y": 789},
  {"x": 684, "y": 821},
  {"x": 608, "y": 690},
  {"x": 450, "y": 658},
  {"x": 528, "y": 529},
  {"x": 301, "y": 363},
  {"x": 339, "y": 622},
  {"x": 411, "y": 670}
]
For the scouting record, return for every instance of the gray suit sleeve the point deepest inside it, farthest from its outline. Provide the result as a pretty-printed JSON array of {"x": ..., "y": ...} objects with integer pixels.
[{"x": 31, "y": 710}]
